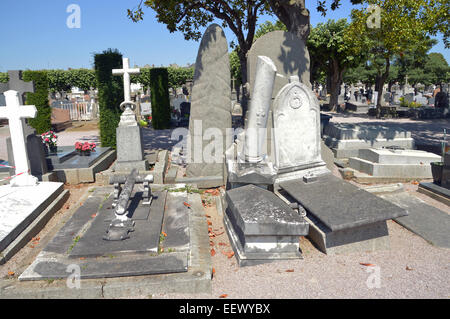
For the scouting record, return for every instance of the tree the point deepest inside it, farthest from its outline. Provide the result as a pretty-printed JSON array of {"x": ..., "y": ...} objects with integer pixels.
[
  {"x": 241, "y": 16},
  {"x": 392, "y": 30},
  {"x": 332, "y": 53},
  {"x": 438, "y": 69}
]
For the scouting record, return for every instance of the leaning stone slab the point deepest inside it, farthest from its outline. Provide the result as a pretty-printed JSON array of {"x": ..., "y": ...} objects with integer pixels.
[
  {"x": 349, "y": 218},
  {"x": 435, "y": 191},
  {"x": 261, "y": 227}
]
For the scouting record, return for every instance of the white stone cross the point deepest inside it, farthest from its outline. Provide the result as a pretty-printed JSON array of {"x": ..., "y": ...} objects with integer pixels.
[
  {"x": 15, "y": 112},
  {"x": 126, "y": 71}
]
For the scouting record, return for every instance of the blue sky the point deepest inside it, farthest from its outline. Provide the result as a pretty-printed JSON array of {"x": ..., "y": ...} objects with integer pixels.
[{"x": 34, "y": 34}]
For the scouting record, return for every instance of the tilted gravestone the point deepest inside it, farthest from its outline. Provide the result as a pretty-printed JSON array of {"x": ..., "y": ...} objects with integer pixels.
[
  {"x": 210, "y": 106},
  {"x": 35, "y": 148}
]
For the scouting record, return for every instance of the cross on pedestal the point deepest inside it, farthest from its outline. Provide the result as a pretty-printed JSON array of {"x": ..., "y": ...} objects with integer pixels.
[
  {"x": 126, "y": 71},
  {"x": 15, "y": 112}
]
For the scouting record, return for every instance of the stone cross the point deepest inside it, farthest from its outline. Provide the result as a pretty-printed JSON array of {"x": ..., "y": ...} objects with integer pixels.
[
  {"x": 15, "y": 112},
  {"x": 126, "y": 71}
]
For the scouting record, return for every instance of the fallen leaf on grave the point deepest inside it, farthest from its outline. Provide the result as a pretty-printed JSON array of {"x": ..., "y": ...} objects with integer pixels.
[
  {"x": 415, "y": 183},
  {"x": 290, "y": 270},
  {"x": 213, "y": 271},
  {"x": 213, "y": 252},
  {"x": 11, "y": 273},
  {"x": 67, "y": 207},
  {"x": 187, "y": 205},
  {"x": 93, "y": 215},
  {"x": 222, "y": 244},
  {"x": 211, "y": 243},
  {"x": 409, "y": 268},
  {"x": 82, "y": 258},
  {"x": 164, "y": 234},
  {"x": 366, "y": 264},
  {"x": 230, "y": 254},
  {"x": 209, "y": 223},
  {"x": 210, "y": 191},
  {"x": 207, "y": 216},
  {"x": 223, "y": 296},
  {"x": 209, "y": 229}
]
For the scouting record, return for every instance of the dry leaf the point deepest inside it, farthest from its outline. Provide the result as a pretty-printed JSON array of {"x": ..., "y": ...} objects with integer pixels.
[
  {"x": 223, "y": 244},
  {"x": 213, "y": 251},
  {"x": 11, "y": 273},
  {"x": 207, "y": 216},
  {"x": 187, "y": 205},
  {"x": 290, "y": 270},
  {"x": 230, "y": 254},
  {"x": 82, "y": 258},
  {"x": 93, "y": 215},
  {"x": 409, "y": 268},
  {"x": 213, "y": 271},
  {"x": 209, "y": 223},
  {"x": 164, "y": 234},
  {"x": 223, "y": 296},
  {"x": 366, "y": 264}
]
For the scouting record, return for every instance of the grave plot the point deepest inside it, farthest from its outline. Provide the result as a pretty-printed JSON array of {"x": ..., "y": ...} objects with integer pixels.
[
  {"x": 157, "y": 233},
  {"x": 25, "y": 203}
]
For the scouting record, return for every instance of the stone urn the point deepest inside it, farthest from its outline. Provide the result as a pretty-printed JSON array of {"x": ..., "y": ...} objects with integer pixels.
[{"x": 436, "y": 171}]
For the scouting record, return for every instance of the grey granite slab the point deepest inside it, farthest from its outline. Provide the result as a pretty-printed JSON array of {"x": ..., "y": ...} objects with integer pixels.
[
  {"x": 67, "y": 158},
  {"x": 176, "y": 223},
  {"x": 427, "y": 221},
  {"x": 436, "y": 189},
  {"x": 49, "y": 268},
  {"x": 259, "y": 212},
  {"x": 145, "y": 237},
  {"x": 339, "y": 204}
]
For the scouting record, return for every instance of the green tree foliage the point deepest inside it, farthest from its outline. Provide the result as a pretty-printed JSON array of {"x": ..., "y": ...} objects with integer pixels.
[
  {"x": 332, "y": 53},
  {"x": 402, "y": 24},
  {"x": 42, "y": 122},
  {"x": 4, "y": 77},
  {"x": 177, "y": 76},
  {"x": 64, "y": 80},
  {"x": 437, "y": 68},
  {"x": 110, "y": 94},
  {"x": 159, "y": 87}
]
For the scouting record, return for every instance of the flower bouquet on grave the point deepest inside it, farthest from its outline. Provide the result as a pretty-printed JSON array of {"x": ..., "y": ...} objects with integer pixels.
[
  {"x": 49, "y": 139},
  {"x": 85, "y": 149}
]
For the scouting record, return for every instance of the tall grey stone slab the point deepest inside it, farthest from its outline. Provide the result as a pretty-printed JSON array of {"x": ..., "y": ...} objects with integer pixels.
[
  {"x": 210, "y": 106},
  {"x": 289, "y": 54},
  {"x": 296, "y": 123}
]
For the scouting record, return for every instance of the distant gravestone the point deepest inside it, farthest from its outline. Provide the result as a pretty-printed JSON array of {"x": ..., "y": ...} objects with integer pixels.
[
  {"x": 441, "y": 100},
  {"x": 210, "y": 106},
  {"x": 288, "y": 53}
]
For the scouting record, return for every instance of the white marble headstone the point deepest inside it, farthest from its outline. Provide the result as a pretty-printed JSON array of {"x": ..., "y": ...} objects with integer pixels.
[{"x": 296, "y": 122}]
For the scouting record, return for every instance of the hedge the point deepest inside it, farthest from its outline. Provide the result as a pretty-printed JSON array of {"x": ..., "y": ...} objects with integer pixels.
[
  {"x": 43, "y": 121},
  {"x": 159, "y": 89},
  {"x": 110, "y": 94}
]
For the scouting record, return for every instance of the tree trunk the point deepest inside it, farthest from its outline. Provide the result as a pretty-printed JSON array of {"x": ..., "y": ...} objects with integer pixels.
[
  {"x": 294, "y": 15},
  {"x": 245, "y": 87},
  {"x": 336, "y": 79},
  {"x": 381, "y": 80}
]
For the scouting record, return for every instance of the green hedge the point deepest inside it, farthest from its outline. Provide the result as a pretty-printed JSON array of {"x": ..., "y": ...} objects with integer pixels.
[
  {"x": 110, "y": 94},
  {"x": 43, "y": 121},
  {"x": 159, "y": 89}
]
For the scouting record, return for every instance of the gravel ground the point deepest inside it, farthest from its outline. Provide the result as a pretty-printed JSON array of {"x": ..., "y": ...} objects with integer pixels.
[{"x": 412, "y": 268}]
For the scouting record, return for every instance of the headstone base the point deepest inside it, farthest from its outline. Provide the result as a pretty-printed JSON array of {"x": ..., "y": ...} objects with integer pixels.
[
  {"x": 261, "y": 227},
  {"x": 128, "y": 166}
]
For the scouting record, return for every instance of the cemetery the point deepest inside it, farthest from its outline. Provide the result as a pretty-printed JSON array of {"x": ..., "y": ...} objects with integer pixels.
[{"x": 191, "y": 182}]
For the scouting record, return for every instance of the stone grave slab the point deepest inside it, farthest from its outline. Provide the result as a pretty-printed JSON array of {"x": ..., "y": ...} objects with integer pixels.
[
  {"x": 394, "y": 163},
  {"x": 424, "y": 220},
  {"x": 261, "y": 227},
  {"x": 67, "y": 157},
  {"x": 435, "y": 191},
  {"x": 19, "y": 206},
  {"x": 348, "y": 219},
  {"x": 145, "y": 238},
  {"x": 80, "y": 240},
  {"x": 347, "y": 139}
]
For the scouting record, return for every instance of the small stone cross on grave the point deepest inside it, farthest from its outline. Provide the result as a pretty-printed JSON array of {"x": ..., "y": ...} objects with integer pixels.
[
  {"x": 15, "y": 112},
  {"x": 128, "y": 117}
]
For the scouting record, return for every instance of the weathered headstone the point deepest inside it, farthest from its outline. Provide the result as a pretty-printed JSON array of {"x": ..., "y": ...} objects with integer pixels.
[
  {"x": 210, "y": 117},
  {"x": 296, "y": 123},
  {"x": 288, "y": 53}
]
